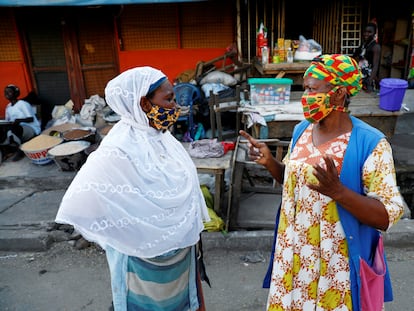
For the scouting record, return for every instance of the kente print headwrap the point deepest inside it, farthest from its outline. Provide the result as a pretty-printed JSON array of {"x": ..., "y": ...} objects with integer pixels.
[{"x": 337, "y": 69}]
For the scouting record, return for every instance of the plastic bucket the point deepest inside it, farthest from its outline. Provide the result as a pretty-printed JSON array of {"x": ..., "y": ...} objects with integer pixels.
[
  {"x": 37, "y": 148},
  {"x": 392, "y": 93}
]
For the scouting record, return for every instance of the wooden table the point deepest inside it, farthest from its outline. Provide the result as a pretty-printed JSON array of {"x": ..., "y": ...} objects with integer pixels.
[
  {"x": 217, "y": 167},
  {"x": 293, "y": 70},
  {"x": 364, "y": 105}
]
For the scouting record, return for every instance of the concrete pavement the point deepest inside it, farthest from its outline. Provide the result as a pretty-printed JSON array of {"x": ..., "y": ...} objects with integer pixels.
[{"x": 30, "y": 196}]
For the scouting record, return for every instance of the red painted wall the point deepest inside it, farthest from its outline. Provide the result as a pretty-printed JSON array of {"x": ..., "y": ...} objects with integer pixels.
[
  {"x": 13, "y": 73},
  {"x": 171, "y": 62}
]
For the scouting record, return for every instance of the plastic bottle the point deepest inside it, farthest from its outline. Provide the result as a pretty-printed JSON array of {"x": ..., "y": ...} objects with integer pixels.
[
  {"x": 261, "y": 39},
  {"x": 265, "y": 55},
  {"x": 276, "y": 57},
  {"x": 289, "y": 56}
]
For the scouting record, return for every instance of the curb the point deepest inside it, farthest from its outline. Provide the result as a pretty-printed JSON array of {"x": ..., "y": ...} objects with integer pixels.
[
  {"x": 402, "y": 234},
  {"x": 36, "y": 238}
]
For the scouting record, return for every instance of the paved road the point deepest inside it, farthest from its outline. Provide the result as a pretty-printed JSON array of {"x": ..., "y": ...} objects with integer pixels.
[{"x": 66, "y": 279}]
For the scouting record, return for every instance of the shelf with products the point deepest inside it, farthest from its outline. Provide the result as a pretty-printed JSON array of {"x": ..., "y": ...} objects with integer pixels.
[{"x": 293, "y": 70}]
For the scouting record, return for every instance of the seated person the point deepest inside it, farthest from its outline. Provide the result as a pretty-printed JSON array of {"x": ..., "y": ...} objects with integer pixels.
[{"x": 25, "y": 123}]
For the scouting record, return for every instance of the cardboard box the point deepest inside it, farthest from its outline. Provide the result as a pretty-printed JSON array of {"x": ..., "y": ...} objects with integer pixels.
[{"x": 269, "y": 91}]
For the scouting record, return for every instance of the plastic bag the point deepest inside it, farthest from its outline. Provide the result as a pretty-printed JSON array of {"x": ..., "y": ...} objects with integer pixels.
[
  {"x": 308, "y": 45},
  {"x": 206, "y": 148},
  {"x": 307, "y": 49},
  {"x": 62, "y": 114},
  {"x": 216, "y": 223}
]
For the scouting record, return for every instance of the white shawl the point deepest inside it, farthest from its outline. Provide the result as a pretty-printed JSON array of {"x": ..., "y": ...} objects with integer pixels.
[{"x": 139, "y": 191}]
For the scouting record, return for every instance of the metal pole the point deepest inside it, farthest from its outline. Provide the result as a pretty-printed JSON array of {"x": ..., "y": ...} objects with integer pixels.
[{"x": 238, "y": 32}]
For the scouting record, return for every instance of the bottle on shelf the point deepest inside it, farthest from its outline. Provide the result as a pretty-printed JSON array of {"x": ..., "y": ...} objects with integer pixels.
[
  {"x": 289, "y": 55},
  {"x": 276, "y": 57},
  {"x": 261, "y": 39},
  {"x": 265, "y": 55}
]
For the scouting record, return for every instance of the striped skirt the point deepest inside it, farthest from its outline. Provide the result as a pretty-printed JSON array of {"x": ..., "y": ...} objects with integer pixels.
[{"x": 167, "y": 282}]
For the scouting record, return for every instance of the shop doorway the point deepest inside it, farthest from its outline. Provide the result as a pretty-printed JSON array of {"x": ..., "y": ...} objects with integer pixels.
[{"x": 71, "y": 54}]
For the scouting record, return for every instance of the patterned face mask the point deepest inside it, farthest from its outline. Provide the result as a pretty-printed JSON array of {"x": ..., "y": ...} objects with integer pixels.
[
  {"x": 316, "y": 106},
  {"x": 163, "y": 118}
]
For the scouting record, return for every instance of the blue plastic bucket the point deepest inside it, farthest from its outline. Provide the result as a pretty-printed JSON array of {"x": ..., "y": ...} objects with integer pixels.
[{"x": 392, "y": 93}]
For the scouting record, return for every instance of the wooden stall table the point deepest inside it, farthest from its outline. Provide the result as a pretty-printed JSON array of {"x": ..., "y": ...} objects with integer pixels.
[
  {"x": 364, "y": 106},
  {"x": 217, "y": 167},
  {"x": 293, "y": 70}
]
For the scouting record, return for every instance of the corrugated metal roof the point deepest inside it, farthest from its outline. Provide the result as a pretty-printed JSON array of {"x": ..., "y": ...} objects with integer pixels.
[{"x": 16, "y": 3}]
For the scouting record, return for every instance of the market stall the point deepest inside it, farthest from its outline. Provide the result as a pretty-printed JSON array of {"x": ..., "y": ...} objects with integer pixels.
[
  {"x": 293, "y": 70},
  {"x": 278, "y": 121}
]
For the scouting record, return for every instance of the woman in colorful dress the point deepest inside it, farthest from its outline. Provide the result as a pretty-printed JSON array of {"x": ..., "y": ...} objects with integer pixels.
[
  {"x": 339, "y": 194},
  {"x": 138, "y": 197}
]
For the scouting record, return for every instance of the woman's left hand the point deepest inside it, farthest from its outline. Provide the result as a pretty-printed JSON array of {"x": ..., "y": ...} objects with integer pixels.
[{"x": 328, "y": 179}]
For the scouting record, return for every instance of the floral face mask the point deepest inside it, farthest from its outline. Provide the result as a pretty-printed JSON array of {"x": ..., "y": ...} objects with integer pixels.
[
  {"x": 163, "y": 118},
  {"x": 316, "y": 106}
]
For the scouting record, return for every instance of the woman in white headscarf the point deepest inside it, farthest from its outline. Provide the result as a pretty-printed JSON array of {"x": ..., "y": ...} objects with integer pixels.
[{"x": 138, "y": 197}]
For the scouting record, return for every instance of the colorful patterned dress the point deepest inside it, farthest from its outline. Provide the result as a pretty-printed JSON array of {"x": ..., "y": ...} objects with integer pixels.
[{"x": 310, "y": 269}]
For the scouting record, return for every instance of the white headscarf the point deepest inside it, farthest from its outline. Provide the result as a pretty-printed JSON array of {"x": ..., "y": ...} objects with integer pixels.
[{"x": 139, "y": 191}]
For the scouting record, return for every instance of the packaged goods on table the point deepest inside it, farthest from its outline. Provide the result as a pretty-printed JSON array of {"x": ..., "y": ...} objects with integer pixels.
[{"x": 269, "y": 91}]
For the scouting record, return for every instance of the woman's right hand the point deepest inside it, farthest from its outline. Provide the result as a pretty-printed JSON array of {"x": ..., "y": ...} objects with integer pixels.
[{"x": 258, "y": 152}]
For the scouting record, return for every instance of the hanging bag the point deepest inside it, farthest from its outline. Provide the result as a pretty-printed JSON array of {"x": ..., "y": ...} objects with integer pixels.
[{"x": 372, "y": 280}]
